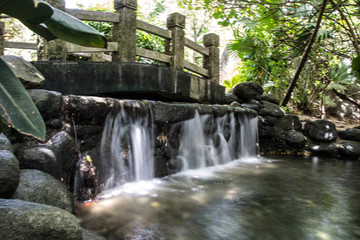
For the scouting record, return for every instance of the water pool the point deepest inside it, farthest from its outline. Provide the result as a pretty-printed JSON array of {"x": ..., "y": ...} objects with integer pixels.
[{"x": 253, "y": 198}]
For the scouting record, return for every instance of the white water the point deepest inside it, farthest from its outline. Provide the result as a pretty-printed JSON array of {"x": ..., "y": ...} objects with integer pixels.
[
  {"x": 198, "y": 150},
  {"x": 126, "y": 150},
  {"x": 127, "y": 145}
]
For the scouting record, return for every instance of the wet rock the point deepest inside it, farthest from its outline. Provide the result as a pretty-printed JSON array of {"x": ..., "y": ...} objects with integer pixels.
[
  {"x": 55, "y": 123},
  {"x": 5, "y": 143},
  {"x": 288, "y": 122},
  {"x": 295, "y": 139},
  {"x": 350, "y": 134},
  {"x": 269, "y": 98},
  {"x": 37, "y": 186},
  {"x": 83, "y": 130},
  {"x": 40, "y": 158},
  {"x": 49, "y": 103},
  {"x": 349, "y": 150},
  {"x": 328, "y": 150},
  {"x": 27, "y": 220},
  {"x": 230, "y": 97},
  {"x": 172, "y": 113},
  {"x": 25, "y": 71},
  {"x": 160, "y": 163},
  {"x": 87, "y": 235},
  {"x": 271, "y": 109},
  {"x": 247, "y": 90},
  {"x": 67, "y": 155},
  {"x": 252, "y": 104},
  {"x": 322, "y": 130},
  {"x": 91, "y": 110},
  {"x": 9, "y": 174}
]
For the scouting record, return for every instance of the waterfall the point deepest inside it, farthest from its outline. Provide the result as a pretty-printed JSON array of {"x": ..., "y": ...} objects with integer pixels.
[
  {"x": 126, "y": 150},
  {"x": 128, "y": 144},
  {"x": 201, "y": 147}
]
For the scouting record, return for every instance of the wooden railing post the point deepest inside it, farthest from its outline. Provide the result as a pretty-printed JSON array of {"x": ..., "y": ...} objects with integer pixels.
[
  {"x": 2, "y": 38},
  {"x": 212, "y": 62},
  {"x": 124, "y": 32},
  {"x": 55, "y": 49},
  {"x": 176, "y": 24}
]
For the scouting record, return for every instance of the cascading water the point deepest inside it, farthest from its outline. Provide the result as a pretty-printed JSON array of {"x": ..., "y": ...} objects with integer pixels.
[
  {"x": 126, "y": 149},
  {"x": 128, "y": 144},
  {"x": 203, "y": 142}
]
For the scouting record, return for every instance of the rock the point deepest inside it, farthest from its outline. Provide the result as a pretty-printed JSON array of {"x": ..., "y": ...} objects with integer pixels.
[
  {"x": 269, "y": 98},
  {"x": 252, "y": 104},
  {"x": 87, "y": 235},
  {"x": 271, "y": 109},
  {"x": 90, "y": 109},
  {"x": 49, "y": 103},
  {"x": 9, "y": 174},
  {"x": 5, "y": 143},
  {"x": 349, "y": 150},
  {"x": 37, "y": 186},
  {"x": 329, "y": 150},
  {"x": 247, "y": 90},
  {"x": 67, "y": 155},
  {"x": 322, "y": 130},
  {"x": 350, "y": 134},
  {"x": 25, "y": 71},
  {"x": 230, "y": 97},
  {"x": 32, "y": 221},
  {"x": 288, "y": 122},
  {"x": 295, "y": 139},
  {"x": 40, "y": 158},
  {"x": 172, "y": 113},
  {"x": 55, "y": 123}
]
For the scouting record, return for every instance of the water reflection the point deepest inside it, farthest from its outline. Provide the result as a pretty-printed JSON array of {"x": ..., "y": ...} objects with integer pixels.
[{"x": 250, "y": 199}]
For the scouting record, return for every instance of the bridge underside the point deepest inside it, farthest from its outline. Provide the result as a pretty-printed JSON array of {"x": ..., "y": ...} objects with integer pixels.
[{"x": 128, "y": 80}]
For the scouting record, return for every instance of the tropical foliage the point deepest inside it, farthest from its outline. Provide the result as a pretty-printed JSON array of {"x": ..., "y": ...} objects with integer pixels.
[
  {"x": 16, "y": 106},
  {"x": 271, "y": 37}
]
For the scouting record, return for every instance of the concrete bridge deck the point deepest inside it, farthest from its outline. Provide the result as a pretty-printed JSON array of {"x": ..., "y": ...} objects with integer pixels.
[{"x": 128, "y": 80}]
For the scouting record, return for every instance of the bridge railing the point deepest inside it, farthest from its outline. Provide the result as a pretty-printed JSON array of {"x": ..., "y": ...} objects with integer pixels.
[{"x": 123, "y": 44}]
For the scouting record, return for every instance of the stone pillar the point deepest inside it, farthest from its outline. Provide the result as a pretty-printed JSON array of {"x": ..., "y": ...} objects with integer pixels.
[
  {"x": 176, "y": 24},
  {"x": 55, "y": 49},
  {"x": 124, "y": 32},
  {"x": 2, "y": 39},
  {"x": 212, "y": 62}
]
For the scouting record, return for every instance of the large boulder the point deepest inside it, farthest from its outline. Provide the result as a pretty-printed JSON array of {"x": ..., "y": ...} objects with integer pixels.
[
  {"x": 322, "y": 130},
  {"x": 9, "y": 174},
  {"x": 324, "y": 150},
  {"x": 32, "y": 221},
  {"x": 271, "y": 109},
  {"x": 67, "y": 155},
  {"x": 349, "y": 150},
  {"x": 37, "y": 186},
  {"x": 49, "y": 103},
  {"x": 5, "y": 143},
  {"x": 247, "y": 90},
  {"x": 350, "y": 134},
  {"x": 288, "y": 122},
  {"x": 27, "y": 73},
  {"x": 40, "y": 158},
  {"x": 295, "y": 139}
]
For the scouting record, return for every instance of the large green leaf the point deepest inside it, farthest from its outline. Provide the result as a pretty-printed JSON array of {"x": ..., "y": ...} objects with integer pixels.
[
  {"x": 42, "y": 30},
  {"x": 29, "y": 11},
  {"x": 73, "y": 30},
  {"x": 17, "y": 107}
]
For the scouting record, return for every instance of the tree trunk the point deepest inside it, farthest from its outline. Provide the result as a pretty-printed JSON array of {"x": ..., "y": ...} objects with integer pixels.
[{"x": 305, "y": 56}]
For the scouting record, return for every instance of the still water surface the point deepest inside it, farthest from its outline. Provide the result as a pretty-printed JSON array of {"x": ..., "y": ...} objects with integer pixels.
[{"x": 248, "y": 199}]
